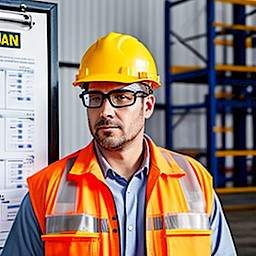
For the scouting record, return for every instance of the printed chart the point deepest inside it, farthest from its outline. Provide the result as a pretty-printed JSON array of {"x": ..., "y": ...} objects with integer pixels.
[{"x": 23, "y": 112}]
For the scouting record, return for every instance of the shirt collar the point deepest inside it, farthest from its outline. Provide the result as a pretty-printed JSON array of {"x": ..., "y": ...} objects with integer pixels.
[
  {"x": 87, "y": 162},
  {"x": 106, "y": 167}
]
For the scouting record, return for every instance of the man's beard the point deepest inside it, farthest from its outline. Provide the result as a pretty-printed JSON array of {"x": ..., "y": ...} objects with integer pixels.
[
  {"x": 110, "y": 140},
  {"x": 107, "y": 139}
]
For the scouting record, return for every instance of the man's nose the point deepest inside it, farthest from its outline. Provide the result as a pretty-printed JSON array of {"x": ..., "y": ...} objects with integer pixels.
[{"x": 107, "y": 110}]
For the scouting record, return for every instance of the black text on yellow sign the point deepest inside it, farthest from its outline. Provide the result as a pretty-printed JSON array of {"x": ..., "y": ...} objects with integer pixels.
[{"x": 9, "y": 39}]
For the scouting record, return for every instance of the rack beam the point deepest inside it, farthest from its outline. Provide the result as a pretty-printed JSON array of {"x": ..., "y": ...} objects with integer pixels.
[
  {"x": 234, "y": 27},
  {"x": 235, "y": 68},
  {"x": 194, "y": 74},
  {"x": 235, "y": 82},
  {"x": 241, "y": 2},
  {"x": 222, "y": 129},
  {"x": 224, "y": 95},
  {"x": 224, "y": 153},
  {"x": 218, "y": 67},
  {"x": 171, "y": 4},
  {"x": 235, "y": 190},
  {"x": 182, "y": 69},
  {"x": 249, "y": 43},
  {"x": 247, "y": 103}
]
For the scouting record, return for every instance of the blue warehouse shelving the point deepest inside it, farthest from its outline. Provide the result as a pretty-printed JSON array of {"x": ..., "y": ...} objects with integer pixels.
[{"x": 239, "y": 76}]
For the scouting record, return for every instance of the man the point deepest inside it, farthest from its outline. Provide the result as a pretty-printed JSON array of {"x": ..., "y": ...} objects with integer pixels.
[{"x": 121, "y": 195}]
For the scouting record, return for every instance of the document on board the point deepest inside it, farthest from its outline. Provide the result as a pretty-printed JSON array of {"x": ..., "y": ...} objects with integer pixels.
[
  {"x": 9, "y": 205},
  {"x": 23, "y": 110}
]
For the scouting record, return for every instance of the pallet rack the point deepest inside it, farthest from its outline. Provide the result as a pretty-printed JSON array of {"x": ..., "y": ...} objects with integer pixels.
[{"x": 239, "y": 103}]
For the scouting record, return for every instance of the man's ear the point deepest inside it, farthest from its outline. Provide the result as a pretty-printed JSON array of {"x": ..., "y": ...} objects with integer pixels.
[{"x": 149, "y": 104}]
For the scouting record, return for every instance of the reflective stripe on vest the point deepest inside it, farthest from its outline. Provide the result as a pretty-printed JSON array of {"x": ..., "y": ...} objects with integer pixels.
[
  {"x": 75, "y": 222},
  {"x": 188, "y": 221},
  {"x": 190, "y": 185},
  {"x": 67, "y": 191}
]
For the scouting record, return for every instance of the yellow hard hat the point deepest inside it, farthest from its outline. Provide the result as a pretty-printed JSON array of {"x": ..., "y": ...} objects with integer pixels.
[{"x": 118, "y": 58}]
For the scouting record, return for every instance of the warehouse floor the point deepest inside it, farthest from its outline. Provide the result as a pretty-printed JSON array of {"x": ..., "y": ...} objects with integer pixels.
[
  {"x": 243, "y": 228},
  {"x": 242, "y": 223}
]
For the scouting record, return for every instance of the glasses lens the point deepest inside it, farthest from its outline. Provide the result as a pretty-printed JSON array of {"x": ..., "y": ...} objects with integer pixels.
[
  {"x": 92, "y": 99},
  {"x": 122, "y": 98}
]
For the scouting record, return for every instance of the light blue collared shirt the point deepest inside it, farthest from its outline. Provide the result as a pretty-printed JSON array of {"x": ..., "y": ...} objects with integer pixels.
[{"x": 129, "y": 197}]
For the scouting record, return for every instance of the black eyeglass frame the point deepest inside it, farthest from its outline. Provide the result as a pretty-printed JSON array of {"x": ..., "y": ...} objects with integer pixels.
[{"x": 107, "y": 96}]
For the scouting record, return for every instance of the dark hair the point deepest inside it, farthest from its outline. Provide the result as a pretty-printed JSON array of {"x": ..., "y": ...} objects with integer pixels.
[
  {"x": 146, "y": 88},
  {"x": 85, "y": 86}
]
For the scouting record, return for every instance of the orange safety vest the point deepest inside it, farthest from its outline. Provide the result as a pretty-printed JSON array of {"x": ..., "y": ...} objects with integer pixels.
[{"x": 76, "y": 210}]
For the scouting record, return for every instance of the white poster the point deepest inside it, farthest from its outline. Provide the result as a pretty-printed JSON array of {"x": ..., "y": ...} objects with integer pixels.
[
  {"x": 9, "y": 206},
  {"x": 23, "y": 111}
]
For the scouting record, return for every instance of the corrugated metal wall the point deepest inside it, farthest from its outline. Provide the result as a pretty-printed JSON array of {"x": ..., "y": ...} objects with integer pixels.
[{"x": 81, "y": 22}]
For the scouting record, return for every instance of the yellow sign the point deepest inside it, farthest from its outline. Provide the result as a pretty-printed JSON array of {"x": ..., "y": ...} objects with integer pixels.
[{"x": 9, "y": 39}]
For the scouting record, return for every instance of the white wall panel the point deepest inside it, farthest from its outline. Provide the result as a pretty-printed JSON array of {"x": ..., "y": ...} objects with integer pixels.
[{"x": 74, "y": 130}]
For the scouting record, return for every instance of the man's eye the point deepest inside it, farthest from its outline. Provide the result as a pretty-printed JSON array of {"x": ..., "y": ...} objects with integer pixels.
[
  {"x": 95, "y": 98},
  {"x": 123, "y": 97}
]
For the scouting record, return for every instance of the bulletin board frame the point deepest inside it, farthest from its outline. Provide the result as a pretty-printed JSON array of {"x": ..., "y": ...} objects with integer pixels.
[{"x": 50, "y": 9}]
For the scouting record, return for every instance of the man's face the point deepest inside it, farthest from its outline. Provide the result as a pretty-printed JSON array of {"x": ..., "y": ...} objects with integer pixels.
[{"x": 116, "y": 128}]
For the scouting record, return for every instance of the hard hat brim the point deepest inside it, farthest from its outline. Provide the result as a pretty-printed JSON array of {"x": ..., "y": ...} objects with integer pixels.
[{"x": 116, "y": 78}]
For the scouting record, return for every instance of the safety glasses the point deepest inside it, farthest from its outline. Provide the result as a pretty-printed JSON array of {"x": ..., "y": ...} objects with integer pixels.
[{"x": 117, "y": 98}]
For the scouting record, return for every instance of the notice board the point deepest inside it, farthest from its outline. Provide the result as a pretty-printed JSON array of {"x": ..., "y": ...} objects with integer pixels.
[{"x": 29, "y": 133}]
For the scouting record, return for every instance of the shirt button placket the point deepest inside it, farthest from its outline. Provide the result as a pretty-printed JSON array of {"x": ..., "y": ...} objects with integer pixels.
[
  {"x": 131, "y": 219},
  {"x": 130, "y": 228}
]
